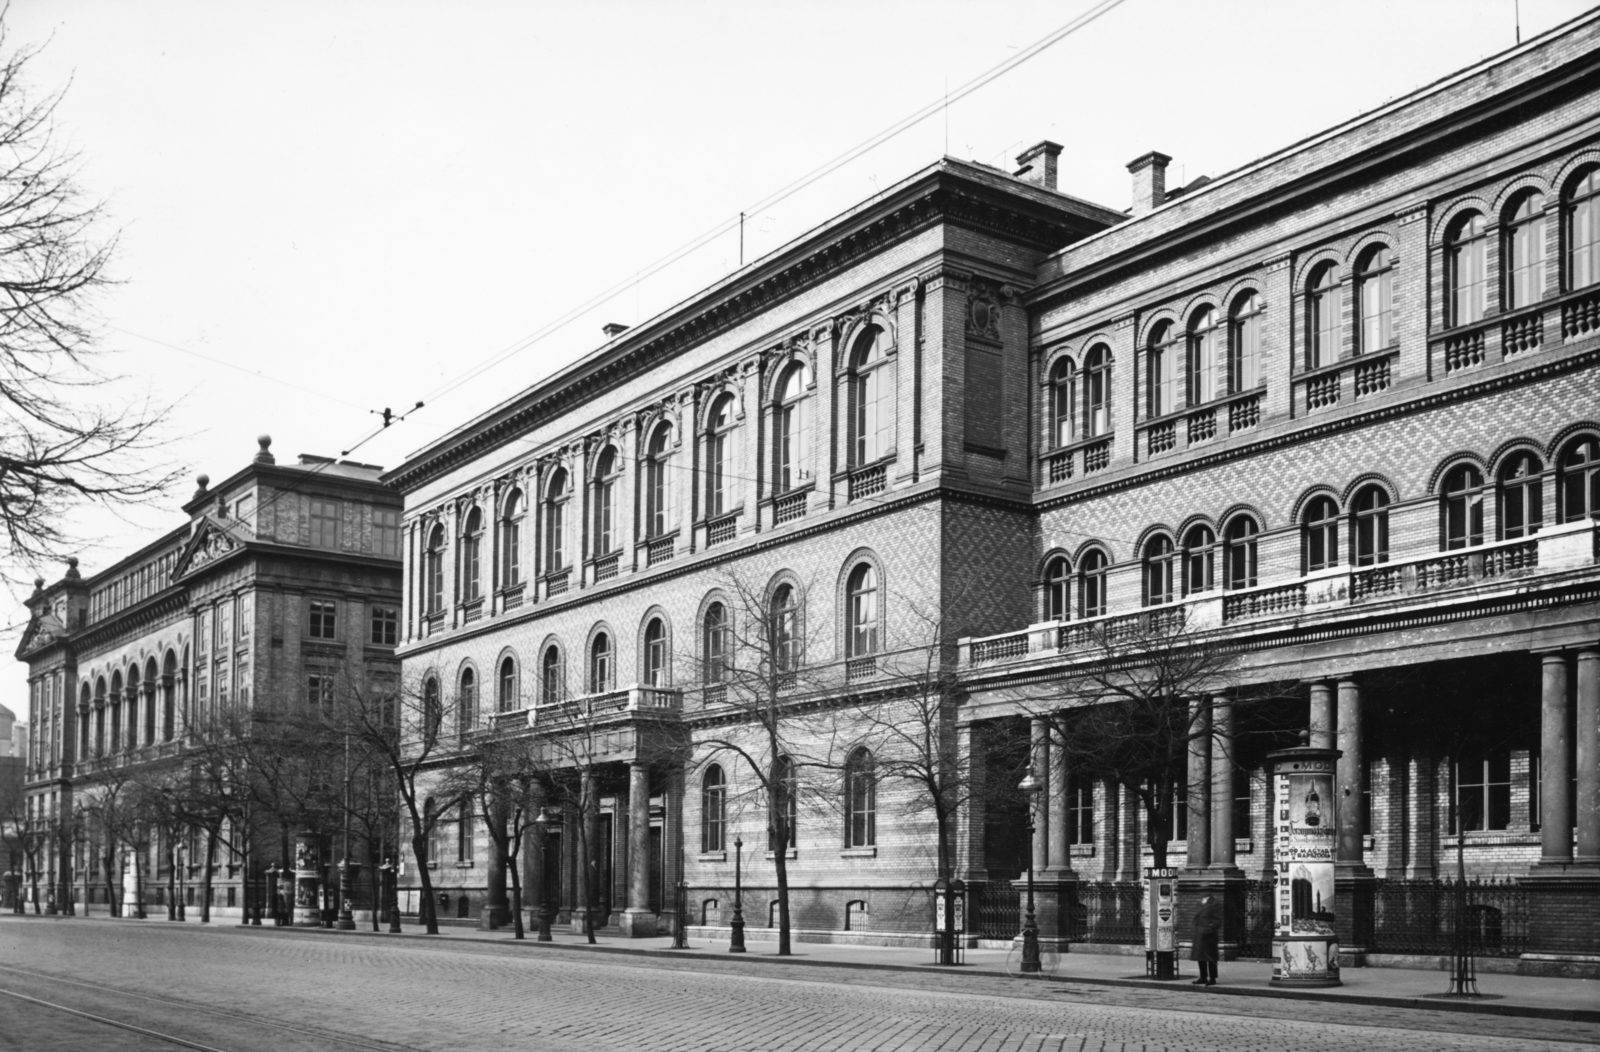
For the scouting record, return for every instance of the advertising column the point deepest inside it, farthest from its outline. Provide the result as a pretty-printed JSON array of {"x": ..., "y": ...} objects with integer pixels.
[
  {"x": 1304, "y": 946},
  {"x": 307, "y": 881},
  {"x": 1161, "y": 922}
]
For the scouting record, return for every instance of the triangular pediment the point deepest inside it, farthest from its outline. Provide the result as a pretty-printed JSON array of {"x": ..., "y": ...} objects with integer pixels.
[{"x": 212, "y": 540}]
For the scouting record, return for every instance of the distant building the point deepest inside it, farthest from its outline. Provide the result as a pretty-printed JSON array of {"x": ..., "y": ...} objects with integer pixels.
[{"x": 283, "y": 577}]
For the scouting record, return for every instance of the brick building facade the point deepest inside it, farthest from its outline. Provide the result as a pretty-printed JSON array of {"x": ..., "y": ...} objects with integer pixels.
[
  {"x": 284, "y": 576},
  {"x": 1334, "y": 409}
]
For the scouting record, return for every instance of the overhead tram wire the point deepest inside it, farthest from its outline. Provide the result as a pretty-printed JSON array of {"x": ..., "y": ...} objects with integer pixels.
[
  {"x": 939, "y": 105},
  {"x": 258, "y": 374}
]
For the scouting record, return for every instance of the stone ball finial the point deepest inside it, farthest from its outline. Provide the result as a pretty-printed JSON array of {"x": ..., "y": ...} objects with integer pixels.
[
  {"x": 264, "y": 455},
  {"x": 201, "y": 481},
  {"x": 72, "y": 568},
  {"x": 38, "y": 584},
  {"x": 1305, "y": 738}
]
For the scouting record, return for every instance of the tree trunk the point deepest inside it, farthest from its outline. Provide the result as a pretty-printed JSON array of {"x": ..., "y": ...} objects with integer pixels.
[
  {"x": 172, "y": 887},
  {"x": 425, "y": 912},
  {"x": 113, "y": 900},
  {"x": 516, "y": 891},
  {"x": 205, "y": 879}
]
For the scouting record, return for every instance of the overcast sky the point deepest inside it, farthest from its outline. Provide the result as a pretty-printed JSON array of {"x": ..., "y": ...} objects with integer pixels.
[{"x": 355, "y": 203}]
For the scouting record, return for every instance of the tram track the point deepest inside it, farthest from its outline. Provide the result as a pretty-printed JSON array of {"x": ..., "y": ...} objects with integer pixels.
[{"x": 317, "y": 1038}]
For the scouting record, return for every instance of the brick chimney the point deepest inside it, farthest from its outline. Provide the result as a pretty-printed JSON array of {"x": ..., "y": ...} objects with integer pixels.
[
  {"x": 1149, "y": 181},
  {"x": 1037, "y": 164}
]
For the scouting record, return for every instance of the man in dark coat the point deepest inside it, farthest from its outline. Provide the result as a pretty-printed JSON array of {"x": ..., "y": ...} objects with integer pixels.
[{"x": 1207, "y": 930}]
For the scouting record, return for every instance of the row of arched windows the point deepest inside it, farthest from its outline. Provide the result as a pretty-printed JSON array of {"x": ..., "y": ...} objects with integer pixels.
[
  {"x": 859, "y": 803},
  {"x": 1335, "y": 533},
  {"x": 1215, "y": 354},
  {"x": 782, "y": 634},
  {"x": 871, "y": 390},
  {"x": 131, "y": 710}
]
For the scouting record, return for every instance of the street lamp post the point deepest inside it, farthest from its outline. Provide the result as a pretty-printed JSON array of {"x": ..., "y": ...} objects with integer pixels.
[
  {"x": 736, "y": 941},
  {"x": 389, "y": 888},
  {"x": 1030, "y": 926},
  {"x": 542, "y": 821},
  {"x": 680, "y": 938},
  {"x": 347, "y": 919}
]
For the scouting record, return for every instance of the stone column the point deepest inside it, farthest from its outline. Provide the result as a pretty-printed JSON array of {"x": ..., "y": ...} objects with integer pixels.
[
  {"x": 970, "y": 862},
  {"x": 1321, "y": 721},
  {"x": 637, "y": 919},
  {"x": 586, "y": 856},
  {"x": 1555, "y": 767},
  {"x": 1060, "y": 862},
  {"x": 1222, "y": 768},
  {"x": 1561, "y": 894},
  {"x": 1352, "y": 880},
  {"x": 1588, "y": 757},
  {"x": 496, "y": 912},
  {"x": 1198, "y": 835}
]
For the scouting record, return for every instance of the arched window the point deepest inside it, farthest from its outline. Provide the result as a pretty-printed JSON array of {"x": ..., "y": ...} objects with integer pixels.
[
  {"x": 467, "y": 703},
  {"x": 434, "y": 568},
  {"x": 719, "y": 456},
  {"x": 1321, "y": 537},
  {"x": 1158, "y": 570},
  {"x": 871, "y": 397},
  {"x": 169, "y": 696},
  {"x": 1324, "y": 316},
  {"x": 1466, "y": 269},
  {"x": 509, "y": 701},
  {"x": 1583, "y": 229},
  {"x": 861, "y": 800},
  {"x": 1461, "y": 515},
  {"x": 550, "y": 675},
  {"x": 785, "y": 630},
  {"x": 1521, "y": 496},
  {"x": 1524, "y": 250},
  {"x": 511, "y": 540},
  {"x": 1204, "y": 361},
  {"x": 1161, "y": 371},
  {"x": 1244, "y": 344},
  {"x": 100, "y": 716},
  {"x": 655, "y": 653},
  {"x": 472, "y": 557},
  {"x": 657, "y": 482},
  {"x": 785, "y": 812},
  {"x": 1375, "y": 300},
  {"x": 1239, "y": 553},
  {"x": 1057, "y": 589},
  {"x": 1097, "y": 392},
  {"x": 715, "y": 642},
  {"x": 1580, "y": 481},
  {"x": 432, "y": 710},
  {"x": 466, "y": 823},
  {"x": 600, "y": 664},
  {"x": 555, "y": 518},
  {"x": 1370, "y": 529},
  {"x": 1063, "y": 396},
  {"x": 1199, "y": 546},
  {"x": 789, "y": 438},
  {"x": 115, "y": 702},
  {"x": 1092, "y": 583},
  {"x": 713, "y": 810},
  {"x": 605, "y": 501},
  {"x": 862, "y": 610}
]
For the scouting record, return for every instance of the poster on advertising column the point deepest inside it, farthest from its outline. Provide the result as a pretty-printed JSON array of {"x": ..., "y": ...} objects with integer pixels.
[{"x": 1305, "y": 944}]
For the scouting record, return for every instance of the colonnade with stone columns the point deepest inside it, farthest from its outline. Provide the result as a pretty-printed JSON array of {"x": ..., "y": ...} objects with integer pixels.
[{"x": 1565, "y": 883}]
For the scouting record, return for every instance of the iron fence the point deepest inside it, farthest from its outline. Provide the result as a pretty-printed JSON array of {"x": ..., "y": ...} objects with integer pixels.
[
  {"x": 1108, "y": 911},
  {"x": 1255, "y": 935},
  {"x": 994, "y": 909},
  {"x": 1420, "y": 917}
]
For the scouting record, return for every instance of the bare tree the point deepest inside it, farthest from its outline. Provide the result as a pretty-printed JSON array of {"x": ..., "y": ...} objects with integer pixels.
[
  {"x": 570, "y": 736},
  {"x": 61, "y": 444},
  {"x": 503, "y": 774},
  {"x": 779, "y": 733},
  {"x": 1130, "y": 704},
  {"x": 104, "y": 815}
]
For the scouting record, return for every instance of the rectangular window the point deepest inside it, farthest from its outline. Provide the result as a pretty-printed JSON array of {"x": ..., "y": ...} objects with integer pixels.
[
  {"x": 203, "y": 636},
  {"x": 319, "y": 691},
  {"x": 222, "y": 686},
  {"x": 242, "y": 679},
  {"x": 321, "y": 624},
  {"x": 464, "y": 833},
  {"x": 225, "y": 624},
  {"x": 324, "y": 523},
  {"x": 1080, "y": 812},
  {"x": 386, "y": 532},
  {"x": 1483, "y": 792},
  {"x": 385, "y": 626}
]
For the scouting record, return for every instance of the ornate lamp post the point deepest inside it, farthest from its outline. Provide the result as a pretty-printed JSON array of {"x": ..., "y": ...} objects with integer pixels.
[
  {"x": 389, "y": 888},
  {"x": 736, "y": 942},
  {"x": 542, "y": 823},
  {"x": 1030, "y": 926}
]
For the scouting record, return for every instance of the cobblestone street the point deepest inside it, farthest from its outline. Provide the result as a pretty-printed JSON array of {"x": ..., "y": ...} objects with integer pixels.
[{"x": 225, "y": 988}]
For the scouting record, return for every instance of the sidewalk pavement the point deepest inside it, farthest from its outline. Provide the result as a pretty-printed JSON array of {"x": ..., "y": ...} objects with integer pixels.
[{"x": 1576, "y": 1000}]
